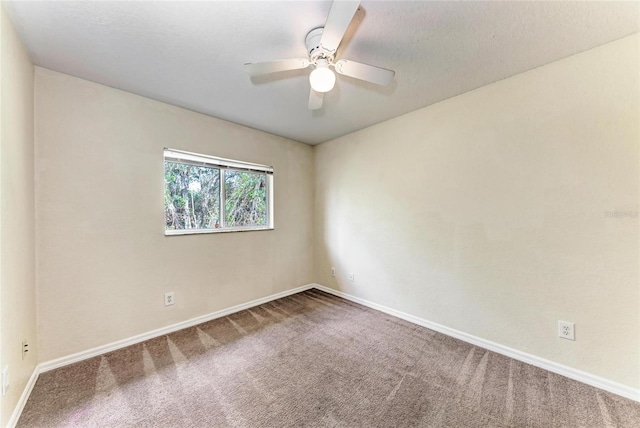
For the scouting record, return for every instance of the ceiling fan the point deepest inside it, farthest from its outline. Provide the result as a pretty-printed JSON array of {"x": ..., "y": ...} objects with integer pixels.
[{"x": 322, "y": 44}]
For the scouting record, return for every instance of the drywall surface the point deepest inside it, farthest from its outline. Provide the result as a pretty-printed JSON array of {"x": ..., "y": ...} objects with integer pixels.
[
  {"x": 501, "y": 211},
  {"x": 17, "y": 252},
  {"x": 104, "y": 263}
]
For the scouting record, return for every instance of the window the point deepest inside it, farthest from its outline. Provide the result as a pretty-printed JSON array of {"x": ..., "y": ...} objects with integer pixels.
[{"x": 205, "y": 194}]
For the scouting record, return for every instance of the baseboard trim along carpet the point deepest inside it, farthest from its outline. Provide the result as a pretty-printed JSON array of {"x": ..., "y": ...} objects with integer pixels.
[
  {"x": 99, "y": 350},
  {"x": 571, "y": 373},
  {"x": 13, "y": 420}
]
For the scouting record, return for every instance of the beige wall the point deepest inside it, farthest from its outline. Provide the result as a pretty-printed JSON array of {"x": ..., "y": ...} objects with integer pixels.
[
  {"x": 489, "y": 212},
  {"x": 17, "y": 254},
  {"x": 104, "y": 263}
]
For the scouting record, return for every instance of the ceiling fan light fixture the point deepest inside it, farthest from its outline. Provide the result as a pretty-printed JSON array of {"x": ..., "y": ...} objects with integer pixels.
[
  {"x": 322, "y": 44},
  {"x": 322, "y": 79}
]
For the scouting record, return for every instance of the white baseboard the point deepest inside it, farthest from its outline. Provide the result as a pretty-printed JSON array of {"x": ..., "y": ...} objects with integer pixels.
[
  {"x": 581, "y": 376},
  {"x": 571, "y": 373},
  {"x": 99, "y": 350},
  {"x": 13, "y": 420}
]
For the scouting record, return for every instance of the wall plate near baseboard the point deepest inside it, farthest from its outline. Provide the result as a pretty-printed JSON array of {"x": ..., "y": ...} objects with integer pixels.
[{"x": 570, "y": 372}]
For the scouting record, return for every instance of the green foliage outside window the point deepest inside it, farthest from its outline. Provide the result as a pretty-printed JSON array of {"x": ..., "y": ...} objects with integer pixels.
[
  {"x": 245, "y": 198},
  {"x": 192, "y": 197}
]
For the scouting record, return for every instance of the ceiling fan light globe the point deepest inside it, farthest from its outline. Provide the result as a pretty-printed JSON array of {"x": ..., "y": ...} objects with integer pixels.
[{"x": 322, "y": 79}]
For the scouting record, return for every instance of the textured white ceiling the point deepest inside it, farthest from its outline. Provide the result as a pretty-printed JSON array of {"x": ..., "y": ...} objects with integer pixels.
[{"x": 191, "y": 54}]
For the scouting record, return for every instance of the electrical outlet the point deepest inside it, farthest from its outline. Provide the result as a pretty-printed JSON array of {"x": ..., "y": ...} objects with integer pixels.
[
  {"x": 352, "y": 277},
  {"x": 169, "y": 298},
  {"x": 333, "y": 271},
  {"x": 5, "y": 380},
  {"x": 25, "y": 348},
  {"x": 566, "y": 330}
]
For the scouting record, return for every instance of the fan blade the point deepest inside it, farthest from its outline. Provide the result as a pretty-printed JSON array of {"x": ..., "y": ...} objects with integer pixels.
[
  {"x": 258, "y": 68},
  {"x": 377, "y": 75},
  {"x": 315, "y": 100},
  {"x": 340, "y": 16}
]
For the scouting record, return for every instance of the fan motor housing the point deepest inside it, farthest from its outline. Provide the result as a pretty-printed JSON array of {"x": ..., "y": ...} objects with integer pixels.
[{"x": 315, "y": 50}]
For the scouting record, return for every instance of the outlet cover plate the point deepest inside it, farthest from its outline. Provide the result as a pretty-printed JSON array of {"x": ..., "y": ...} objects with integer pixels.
[
  {"x": 5, "y": 380},
  {"x": 169, "y": 298},
  {"x": 566, "y": 330}
]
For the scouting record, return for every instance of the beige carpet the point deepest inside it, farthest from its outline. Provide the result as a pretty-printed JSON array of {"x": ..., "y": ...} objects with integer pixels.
[{"x": 314, "y": 360}]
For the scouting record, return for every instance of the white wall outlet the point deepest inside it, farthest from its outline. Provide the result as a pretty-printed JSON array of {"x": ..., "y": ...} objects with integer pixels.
[
  {"x": 333, "y": 271},
  {"x": 352, "y": 277},
  {"x": 169, "y": 299},
  {"x": 566, "y": 330},
  {"x": 25, "y": 348},
  {"x": 5, "y": 380}
]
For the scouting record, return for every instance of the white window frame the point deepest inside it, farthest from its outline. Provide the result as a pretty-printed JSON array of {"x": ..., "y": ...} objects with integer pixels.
[{"x": 222, "y": 164}]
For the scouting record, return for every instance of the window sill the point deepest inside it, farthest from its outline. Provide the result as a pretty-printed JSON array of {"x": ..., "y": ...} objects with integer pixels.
[{"x": 209, "y": 231}]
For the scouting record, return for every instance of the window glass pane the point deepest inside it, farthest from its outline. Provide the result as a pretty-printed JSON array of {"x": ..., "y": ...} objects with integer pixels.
[
  {"x": 245, "y": 198},
  {"x": 191, "y": 197}
]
